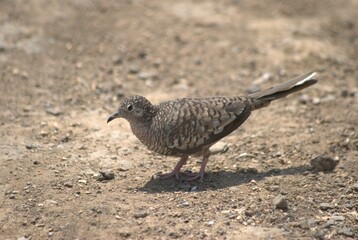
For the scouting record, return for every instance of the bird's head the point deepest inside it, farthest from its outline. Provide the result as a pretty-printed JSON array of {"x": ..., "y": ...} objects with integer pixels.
[{"x": 135, "y": 109}]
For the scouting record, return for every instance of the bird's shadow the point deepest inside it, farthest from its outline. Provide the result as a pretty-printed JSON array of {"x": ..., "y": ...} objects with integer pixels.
[{"x": 218, "y": 180}]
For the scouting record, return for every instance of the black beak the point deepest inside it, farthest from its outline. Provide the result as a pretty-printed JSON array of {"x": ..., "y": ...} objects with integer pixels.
[{"x": 113, "y": 116}]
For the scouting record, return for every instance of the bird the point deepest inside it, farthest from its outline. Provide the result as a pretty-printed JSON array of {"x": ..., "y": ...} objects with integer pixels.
[{"x": 190, "y": 126}]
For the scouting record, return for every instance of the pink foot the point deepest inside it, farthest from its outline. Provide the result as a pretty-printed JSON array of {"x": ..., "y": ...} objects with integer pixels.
[
  {"x": 176, "y": 171},
  {"x": 169, "y": 175},
  {"x": 176, "y": 175},
  {"x": 196, "y": 176}
]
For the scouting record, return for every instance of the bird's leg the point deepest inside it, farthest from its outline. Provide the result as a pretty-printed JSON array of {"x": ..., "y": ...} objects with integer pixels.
[
  {"x": 176, "y": 170},
  {"x": 200, "y": 175}
]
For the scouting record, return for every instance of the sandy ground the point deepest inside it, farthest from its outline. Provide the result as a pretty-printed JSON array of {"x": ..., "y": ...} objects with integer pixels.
[{"x": 65, "y": 65}]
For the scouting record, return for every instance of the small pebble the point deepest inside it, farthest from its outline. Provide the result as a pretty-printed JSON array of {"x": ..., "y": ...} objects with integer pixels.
[
  {"x": 184, "y": 203},
  {"x": 82, "y": 181},
  {"x": 145, "y": 75},
  {"x": 316, "y": 100},
  {"x": 210, "y": 223},
  {"x": 11, "y": 196},
  {"x": 105, "y": 175},
  {"x": 337, "y": 218},
  {"x": 29, "y": 146},
  {"x": 55, "y": 111},
  {"x": 304, "y": 99},
  {"x": 193, "y": 188},
  {"x": 355, "y": 187},
  {"x": 345, "y": 93},
  {"x": 140, "y": 214},
  {"x": 117, "y": 61},
  {"x": 325, "y": 206},
  {"x": 280, "y": 202},
  {"x": 322, "y": 163},
  {"x": 219, "y": 147},
  {"x": 319, "y": 235},
  {"x": 50, "y": 202},
  {"x": 346, "y": 232},
  {"x": 329, "y": 223},
  {"x": 133, "y": 69},
  {"x": 68, "y": 184}
]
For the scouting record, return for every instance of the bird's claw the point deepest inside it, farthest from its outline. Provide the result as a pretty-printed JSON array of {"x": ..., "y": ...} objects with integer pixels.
[
  {"x": 192, "y": 176},
  {"x": 169, "y": 175},
  {"x": 196, "y": 176}
]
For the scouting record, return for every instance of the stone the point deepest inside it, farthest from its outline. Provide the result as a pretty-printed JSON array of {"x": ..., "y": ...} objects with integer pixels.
[
  {"x": 280, "y": 202},
  {"x": 140, "y": 214},
  {"x": 323, "y": 163},
  {"x": 325, "y": 206},
  {"x": 68, "y": 184},
  {"x": 105, "y": 175},
  {"x": 346, "y": 232}
]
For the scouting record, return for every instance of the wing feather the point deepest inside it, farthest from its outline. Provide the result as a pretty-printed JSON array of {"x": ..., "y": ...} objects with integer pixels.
[{"x": 199, "y": 123}]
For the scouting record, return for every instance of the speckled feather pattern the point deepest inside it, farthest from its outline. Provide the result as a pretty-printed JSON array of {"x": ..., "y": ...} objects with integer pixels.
[{"x": 187, "y": 126}]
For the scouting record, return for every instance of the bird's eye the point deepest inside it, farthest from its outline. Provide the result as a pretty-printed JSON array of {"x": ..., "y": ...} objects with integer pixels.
[{"x": 129, "y": 107}]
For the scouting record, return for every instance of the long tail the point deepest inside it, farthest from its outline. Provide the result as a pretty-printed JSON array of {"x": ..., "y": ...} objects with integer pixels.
[{"x": 263, "y": 98}]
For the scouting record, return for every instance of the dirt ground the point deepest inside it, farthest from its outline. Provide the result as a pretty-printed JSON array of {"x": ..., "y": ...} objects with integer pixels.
[{"x": 65, "y": 65}]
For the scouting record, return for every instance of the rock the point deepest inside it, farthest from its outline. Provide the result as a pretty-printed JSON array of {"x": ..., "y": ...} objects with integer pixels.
[
  {"x": 142, "y": 54},
  {"x": 124, "y": 165},
  {"x": 29, "y": 146},
  {"x": 43, "y": 133},
  {"x": 346, "y": 232},
  {"x": 134, "y": 69},
  {"x": 210, "y": 223},
  {"x": 316, "y": 100},
  {"x": 344, "y": 93},
  {"x": 193, "y": 188},
  {"x": 12, "y": 196},
  {"x": 219, "y": 147},
  {"x": 280, "y": 202},
  {"x": 355, "y": 187},
  {"x": 55, "y": 111},
  {"x": 184, "y": 203},
  {"x": 68, "y": 184},
  {"x": 329, "y": 223},
  {"x": 337, "y": 218},
  {"x": 117, "y": 60},
  {"x": 50, "y": 202},
  {"x": 146, "y": 75},
  {"x": 140, "y": 214},
  {"x": 105, "y": 175},
  {"x": 82, "y": 181},
  {"x": 325, "y": 206},
  {"x": 124, "y": 234},
  {"x": 322, "y": 163},
  {"x": 304, "y": 99},
  {"x": 319, "y": 235}
]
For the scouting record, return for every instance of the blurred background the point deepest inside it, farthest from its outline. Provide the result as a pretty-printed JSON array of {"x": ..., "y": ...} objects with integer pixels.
[{"x": 65, "y": 65}]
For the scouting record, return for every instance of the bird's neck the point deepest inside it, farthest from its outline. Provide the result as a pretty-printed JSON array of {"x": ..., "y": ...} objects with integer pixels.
[{"x": 143, "y": 129}]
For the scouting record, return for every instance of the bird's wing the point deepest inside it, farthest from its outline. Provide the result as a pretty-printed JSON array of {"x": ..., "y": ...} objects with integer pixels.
[{"x": 198, "y": 123}]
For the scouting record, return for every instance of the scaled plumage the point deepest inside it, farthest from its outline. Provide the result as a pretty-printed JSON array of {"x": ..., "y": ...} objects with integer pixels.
[{"x": 188, "y": 126}]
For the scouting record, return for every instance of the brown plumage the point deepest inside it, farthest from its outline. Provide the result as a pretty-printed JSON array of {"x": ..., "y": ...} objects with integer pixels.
[{"x": 189, "y": 126}]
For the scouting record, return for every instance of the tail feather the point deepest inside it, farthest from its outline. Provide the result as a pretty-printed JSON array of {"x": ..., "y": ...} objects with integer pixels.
[{"x": 263, "y": 98}]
